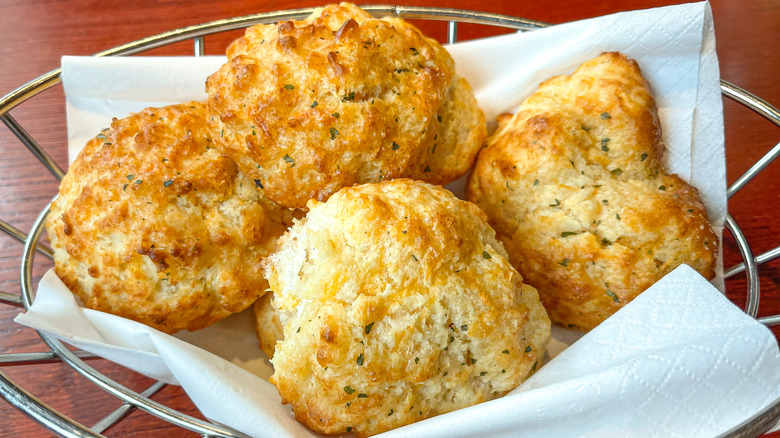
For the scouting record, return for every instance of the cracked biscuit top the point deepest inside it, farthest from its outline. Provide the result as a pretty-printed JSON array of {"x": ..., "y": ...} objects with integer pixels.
[
  {"x": 574, "y": 186},
  {"x": 154, "y": 224},
  {"x": 341, "y": 98},
  {"x": 397, "y": 304}
]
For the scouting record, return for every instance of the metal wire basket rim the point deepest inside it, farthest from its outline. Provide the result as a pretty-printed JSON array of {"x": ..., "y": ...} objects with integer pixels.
[
  {"x": 52, "y": 78},
  {"x": 51, "y": 418}
]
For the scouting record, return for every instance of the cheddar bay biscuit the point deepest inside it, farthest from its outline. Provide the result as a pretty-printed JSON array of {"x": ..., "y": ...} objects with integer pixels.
[
  {"x": 398, "y": 304},
  {"x": 341, "y": 98},
  {"x": 573, "y": 185},
  {"x": 154, "y": 224}
]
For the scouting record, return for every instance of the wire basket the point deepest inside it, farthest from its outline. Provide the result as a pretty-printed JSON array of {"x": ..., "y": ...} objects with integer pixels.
[{"x": 62, "y": 425}]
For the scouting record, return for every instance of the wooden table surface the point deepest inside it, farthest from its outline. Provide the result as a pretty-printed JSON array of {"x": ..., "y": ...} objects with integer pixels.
[{"x": 35, "y": 33}]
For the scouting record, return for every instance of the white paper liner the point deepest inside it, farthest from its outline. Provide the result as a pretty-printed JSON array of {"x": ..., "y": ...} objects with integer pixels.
[{"x": 680, "y": 360}]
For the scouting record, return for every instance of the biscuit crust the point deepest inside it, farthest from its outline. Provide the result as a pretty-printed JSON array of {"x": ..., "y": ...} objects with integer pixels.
[
  {"x": 573, "y": 185},
  {"x": 267, "y": 325},
  {"x": 152, "y": 223},
  {"x": 341, "y": 98},
  {"x": 398, "y": 304}
]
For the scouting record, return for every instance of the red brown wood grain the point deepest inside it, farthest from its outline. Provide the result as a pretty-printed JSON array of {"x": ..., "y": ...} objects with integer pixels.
[{"x": 34, "y": 35}]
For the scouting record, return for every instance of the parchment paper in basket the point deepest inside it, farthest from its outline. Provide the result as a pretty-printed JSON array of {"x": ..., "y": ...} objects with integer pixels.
[{"x": 636, "y": 370}]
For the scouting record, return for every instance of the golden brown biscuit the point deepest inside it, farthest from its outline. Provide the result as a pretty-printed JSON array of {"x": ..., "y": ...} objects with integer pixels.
[
  {"x": 340, "y": 98},
  {"x": 152, "y": 223},
  {"x": 398, "y": 304},
  {"x": 574, "y": 187},
  {"x": 267, "y": 326}
]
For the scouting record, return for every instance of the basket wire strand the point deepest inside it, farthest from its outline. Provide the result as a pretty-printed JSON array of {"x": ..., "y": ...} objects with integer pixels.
[{"x": 62, "y": 425}]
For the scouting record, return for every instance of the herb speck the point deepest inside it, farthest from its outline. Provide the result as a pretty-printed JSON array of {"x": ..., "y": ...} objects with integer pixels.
[{"x": 611, "y": 294}]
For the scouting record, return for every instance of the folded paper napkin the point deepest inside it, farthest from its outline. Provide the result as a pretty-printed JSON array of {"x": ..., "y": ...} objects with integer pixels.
[{"x": 680, "y": 360}]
